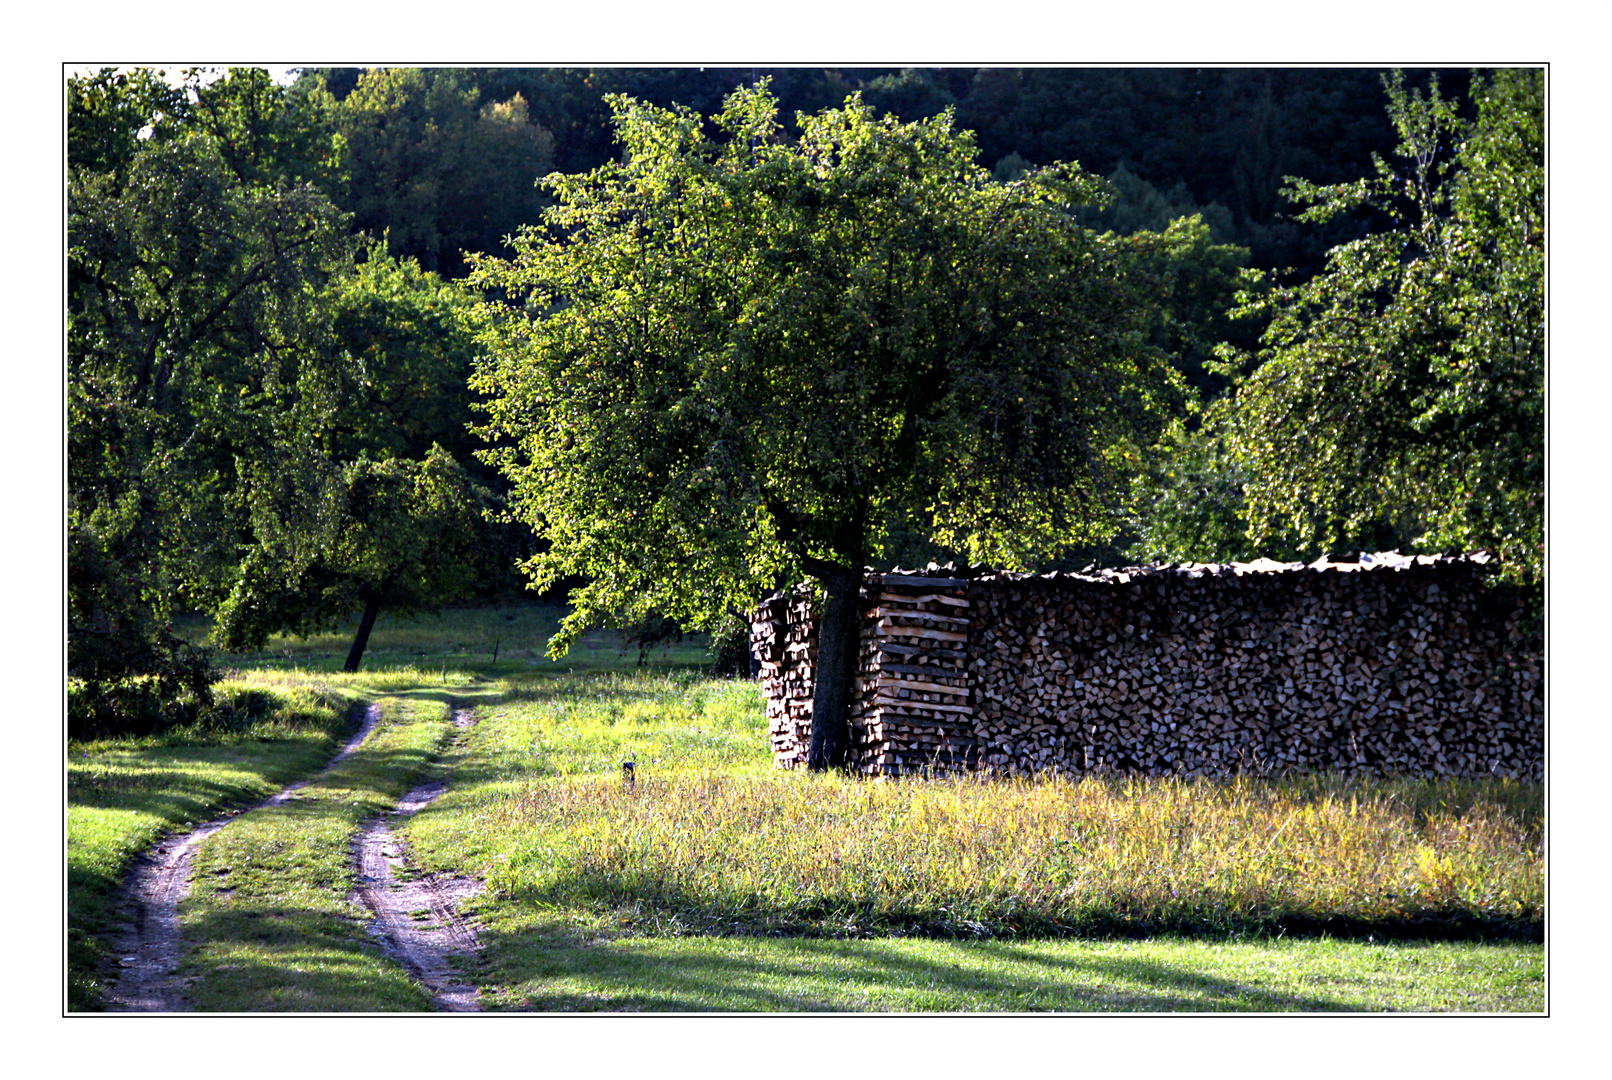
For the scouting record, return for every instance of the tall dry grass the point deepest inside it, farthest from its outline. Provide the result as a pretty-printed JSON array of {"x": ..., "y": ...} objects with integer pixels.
[{"x": 992, "y": 856}]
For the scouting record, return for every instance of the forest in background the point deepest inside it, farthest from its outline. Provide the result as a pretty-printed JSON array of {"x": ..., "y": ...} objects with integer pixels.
[
  {"x": 271, "y": 337},
  {"x": 1217, "y": 141}
]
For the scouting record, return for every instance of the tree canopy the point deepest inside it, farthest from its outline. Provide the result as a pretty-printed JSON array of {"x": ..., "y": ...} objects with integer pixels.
[
  {"x": 738, "y": 347},
  {"x": 193, "y": 338},
  {"x": 433, "y": 172},
  {"x": 1400, "y": 394},
  {"x": 231, "y": 369},
  {"x": 732, "y": 361},
  {"x": 372, "y": 512},
  {"x": 337, "y": 537}
]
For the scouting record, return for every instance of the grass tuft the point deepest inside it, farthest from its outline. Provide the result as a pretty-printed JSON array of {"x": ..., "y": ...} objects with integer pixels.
[{"x": 1015, "y": 858}]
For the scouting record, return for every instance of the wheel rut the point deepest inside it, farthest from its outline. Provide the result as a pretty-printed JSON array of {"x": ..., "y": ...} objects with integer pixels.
[
  {"x": 150, "y": 949},
  {"x": 416, "y": 915}
]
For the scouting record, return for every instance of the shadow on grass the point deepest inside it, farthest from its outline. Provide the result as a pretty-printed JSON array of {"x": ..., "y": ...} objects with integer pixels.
[
  {"x": 198, "y": 799},
  {"x": 659, "y": 909},
  {"x": 277, "y": 959},
  {"x": 812, "y": 975}
]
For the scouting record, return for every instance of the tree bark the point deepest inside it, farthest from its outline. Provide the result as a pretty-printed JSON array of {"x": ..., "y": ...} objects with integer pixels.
[
  {"x": 837, "y": 639},
  {"x": 365, "y": 625}
]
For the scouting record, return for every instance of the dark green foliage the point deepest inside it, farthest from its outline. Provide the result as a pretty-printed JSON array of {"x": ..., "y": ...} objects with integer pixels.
[
  {"x": 374, "y": 511},
  {"x": 193, "y": 345},
  {"x": 412, "y": 354},
  {"x": 913, "y": 94},
  {"x": 436, "y": 172},
  {"x": 1402, "y": 391},
  {"x": 1226, "y": 135},
  {"x": 233, "y": 379},
  {"x": 396, "y": 534},
  {"x": 1189, "y": 500},
  {"x": 267, "y": 133},
  {"x": 724, "y": 366},
  {"x": 1208, "y": 138},
  {"x": 1192, "y": 283},
  {"x": 1138, "y": 206},
  {"x": 730, "y": 649},
  {"x": 107, "y": 113}
]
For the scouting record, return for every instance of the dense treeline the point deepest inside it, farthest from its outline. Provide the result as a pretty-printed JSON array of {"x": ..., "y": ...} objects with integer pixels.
[
  {"x": 839, "y": 315},
  {"x": 1216, "y": 140}
]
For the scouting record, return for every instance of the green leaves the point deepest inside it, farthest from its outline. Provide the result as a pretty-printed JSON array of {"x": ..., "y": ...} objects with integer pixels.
[
  {"x": 433, "y": 174},
  {"x": 1400, "y": 400},
  {"x": 331, "y": 538},
  {"x": 196, "y": 350},
  {"x": 725, "y": 359}
]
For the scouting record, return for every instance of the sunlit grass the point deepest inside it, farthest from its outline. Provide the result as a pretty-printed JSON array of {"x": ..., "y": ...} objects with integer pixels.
[
  {"x": 125, "y": 794},
  {"x": 1015, "y": 857},
  {"x": 709, "y": 838},
  {"x": 269, "y": 921},
  {"x": 493, "y": 640},
  {"x": 717, "y": 882}
]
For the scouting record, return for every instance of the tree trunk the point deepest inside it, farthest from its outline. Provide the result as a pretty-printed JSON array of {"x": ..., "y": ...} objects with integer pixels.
[
  {"x": 837, "y": 639},
  {"x": 365, "y": 625}
]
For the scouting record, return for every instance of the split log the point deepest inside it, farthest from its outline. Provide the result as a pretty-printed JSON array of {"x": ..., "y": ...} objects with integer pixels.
[{"x": 888, "y": 628}]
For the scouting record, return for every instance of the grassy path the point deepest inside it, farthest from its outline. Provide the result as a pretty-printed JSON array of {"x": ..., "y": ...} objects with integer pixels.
[
  {"x": 717, "y": 884},
  {"x": 161, "y": 880},
  {"x": 124, "y": 795},
  {"x": 270, "y": 921},
  {"x": 415, "y": 914}
]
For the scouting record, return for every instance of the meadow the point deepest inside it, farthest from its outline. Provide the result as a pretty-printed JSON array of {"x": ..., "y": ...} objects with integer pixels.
[{"x": 714, "y": 882}]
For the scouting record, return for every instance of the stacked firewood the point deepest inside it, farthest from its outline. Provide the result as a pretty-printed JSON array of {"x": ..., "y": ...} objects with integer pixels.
[
  {"x": 913, "y": 710},
  {"x": 1390, "y": 665},
  {"x": 783, "y": 638},
  {"x": 1394, "y": 666}
]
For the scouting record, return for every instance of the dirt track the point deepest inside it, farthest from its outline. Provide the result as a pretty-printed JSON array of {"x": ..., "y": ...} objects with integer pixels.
[
  {"x": 415, "y": 915},
  {"x": 150, "y": 948}
]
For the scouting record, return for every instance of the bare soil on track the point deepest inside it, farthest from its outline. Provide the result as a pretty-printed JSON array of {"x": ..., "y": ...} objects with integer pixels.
[
  {"x": 416, "y": 915},
  {"x": 150, "y": 949}
]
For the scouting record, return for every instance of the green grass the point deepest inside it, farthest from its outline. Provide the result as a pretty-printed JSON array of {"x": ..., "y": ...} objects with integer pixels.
[
  {"x": 268, "y": 919},
  {"x": 718, "y": 883},
  {"x": 124, "y": 795},
  {"x": 711, "y": 839},
  {"x": 537, "y": 967},
  {"x": 460, "y": 640}
]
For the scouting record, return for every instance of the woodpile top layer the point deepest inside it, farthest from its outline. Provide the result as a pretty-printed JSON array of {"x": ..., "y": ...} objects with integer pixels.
[{"x": 951, "y": 575}]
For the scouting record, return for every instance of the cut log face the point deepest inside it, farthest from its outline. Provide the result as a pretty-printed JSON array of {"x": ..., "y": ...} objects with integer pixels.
[{"x": 1387, "y": 666}]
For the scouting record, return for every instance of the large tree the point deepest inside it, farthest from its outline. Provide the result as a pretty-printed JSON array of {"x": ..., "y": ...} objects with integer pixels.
[
  {"x": 194, "y": 340},
  {"x": 729, "y": 362},
  {"x": 1400, "y": 394},
  {"x": 331, "y": 538},
  {"x": 253, "y": 419},
  {"x": 374, "y": 510}
]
